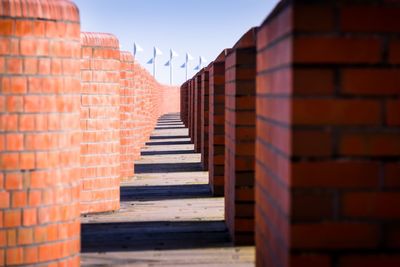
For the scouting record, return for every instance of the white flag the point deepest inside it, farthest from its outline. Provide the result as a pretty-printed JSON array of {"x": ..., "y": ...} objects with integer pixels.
[
  {"x": 183, "y": 65},
  {"x": 157, "y": 52},
  {"x": 189, "y": 57},
  {"x": 136, "y": 48},
  {"x": 167, "y": 63},
  {"x": 150, "y": 61},
  {"x": 173, "y": 53}
]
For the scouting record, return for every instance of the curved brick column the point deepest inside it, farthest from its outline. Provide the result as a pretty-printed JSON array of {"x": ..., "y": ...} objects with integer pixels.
[
  {"x": 130, "y": 149},
  {"x": 39, "y": 133},
  {"x": 100, "y": 122}
]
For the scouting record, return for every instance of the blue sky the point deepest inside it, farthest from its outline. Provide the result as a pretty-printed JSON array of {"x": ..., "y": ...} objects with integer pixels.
[{"x": 201, "y": 27}]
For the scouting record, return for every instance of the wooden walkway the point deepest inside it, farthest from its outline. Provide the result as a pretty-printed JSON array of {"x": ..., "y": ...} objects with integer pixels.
[{"x": 168, "y": 216}]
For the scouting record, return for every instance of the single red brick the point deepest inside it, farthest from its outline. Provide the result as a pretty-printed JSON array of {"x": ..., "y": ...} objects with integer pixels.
[
  {"x": 371, "y": 81},
  {"x": 328, "y": 49},
  {"x": 29, "y": 216},
  {"x": 23, "y": 27},
  {"x": 14, "y": 256},
  {"x": 336, "y": 174},
  {"x": 14, "y": 65},
  {"x": 334, "y": 235},
  {"x": 14, "y": 142},
  {"x": 13, "y": 180},
  {"x": 25, "y": 236},
  {"x": 12, "y": 218},
  {"x": 336, "y": 112},
  {"x": 370, "y": 144},
  {"x": 374, "y": 205},
  {"x": 357, "y": 19},
  {"x": 18, "y": 199},
  {"x": 6, "y": 26}
]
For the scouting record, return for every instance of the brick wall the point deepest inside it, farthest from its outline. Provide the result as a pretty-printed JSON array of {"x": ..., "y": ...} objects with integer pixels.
[
  {"x": 184, "y": 96},
  {"x": 39, "y": 133},
  {"x": 197, "y": 112},
  {"x": 170, "y": 99},
  {"x": 204, "y": 118},
  {"x": 216, "y": 144},
  {"x": 129, "y": 134},
  {"x": 328, "y": 136},
  {"x": 100, "y": 122},
  {"x": 240, "y": 66},
  {"x": 191, "y": 110}
]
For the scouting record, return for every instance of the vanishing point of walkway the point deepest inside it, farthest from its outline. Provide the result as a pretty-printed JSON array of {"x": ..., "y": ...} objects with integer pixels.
[{"x": 168, "y": 216}]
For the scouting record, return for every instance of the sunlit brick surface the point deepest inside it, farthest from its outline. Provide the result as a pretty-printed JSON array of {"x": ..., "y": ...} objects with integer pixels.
[
  {"x": 100, "y": 122},
  {"x": 40, "y": 134}
]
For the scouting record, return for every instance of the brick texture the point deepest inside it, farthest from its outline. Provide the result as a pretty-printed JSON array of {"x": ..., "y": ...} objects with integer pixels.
[
  {"x": 240, "y": 67},
  {"x": 40, "y": 133},
  {"x": 328, "y": 141},
  {"x": 184, "y": 102},
  {"x": 216, "y": 142},
  {"x": 129, "y": 134},
  {"x": 197, "y": 109},
  {"x": 204, "y": 118},
  {"x": 100, "y": 122}
]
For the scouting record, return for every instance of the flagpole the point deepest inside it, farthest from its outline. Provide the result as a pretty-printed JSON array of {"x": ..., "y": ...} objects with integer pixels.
[{"x": 186, "y": 66}]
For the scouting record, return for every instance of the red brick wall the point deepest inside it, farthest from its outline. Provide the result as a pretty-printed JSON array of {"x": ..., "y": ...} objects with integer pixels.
[
  {"x": 39, "y": 133},
  {"x": 191, "y": 109},
  {"x": 204, "y": 120},
  {"x": 100, "y": 122},
  {"x": 184, "y": 96},
  {"x": 197, "y": 112},
  {"x": 216, "y": 144},
  {"x": 129, "y": 133},
  {"x": 240, "y": 66},
  {"x": 170, "y": 99},
  {"x": 328, "y": 136}
]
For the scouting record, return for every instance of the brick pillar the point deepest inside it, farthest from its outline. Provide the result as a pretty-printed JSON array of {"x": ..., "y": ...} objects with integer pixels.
[
  {"x": 39, "y": 133},
  {"x": 197, "y": 112},
  {"x": 216, "y": 144},
  {"x": 189, "y": 85},
  {"x": 192, "y": 88},
  {"x": 100, "y": 122},
  {"x": 204, "y": 118},
  {"x": 184, "y": 104},
  {"x": 130, "y": 149},
  {"x": 328, "y": 135},
  {"x": 240, "y": 66}
]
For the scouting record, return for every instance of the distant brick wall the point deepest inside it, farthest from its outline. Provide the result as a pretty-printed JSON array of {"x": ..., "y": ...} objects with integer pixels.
[
  {"x": 39, "y": 133},
  {"x": 184, "y": 96},
  {"x": 216, "y": 144},
  {"x": 192, "y": 109},
  {"x": 197, "y": 112},
  {"x": 328, "y": 136},
  {"x": 204, "y": 118},
  {"x": 240, "y": 67},
  {"x": 129, "y": 134},
  {"x": 100, "y": 122},
  {"x": 170, "y": 99}
]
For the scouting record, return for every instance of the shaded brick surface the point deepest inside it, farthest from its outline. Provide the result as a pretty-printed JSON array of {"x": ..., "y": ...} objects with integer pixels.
[{"x": 240, "y": 67}]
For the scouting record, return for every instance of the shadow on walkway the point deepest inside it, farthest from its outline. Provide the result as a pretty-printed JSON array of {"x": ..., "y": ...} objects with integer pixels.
[
  {"x": 164, "y": 192},
  {"x": 136, "y": 236}
]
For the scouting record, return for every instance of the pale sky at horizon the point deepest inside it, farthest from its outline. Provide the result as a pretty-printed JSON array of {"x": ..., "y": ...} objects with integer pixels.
[{"x": 200, "y": 27}]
